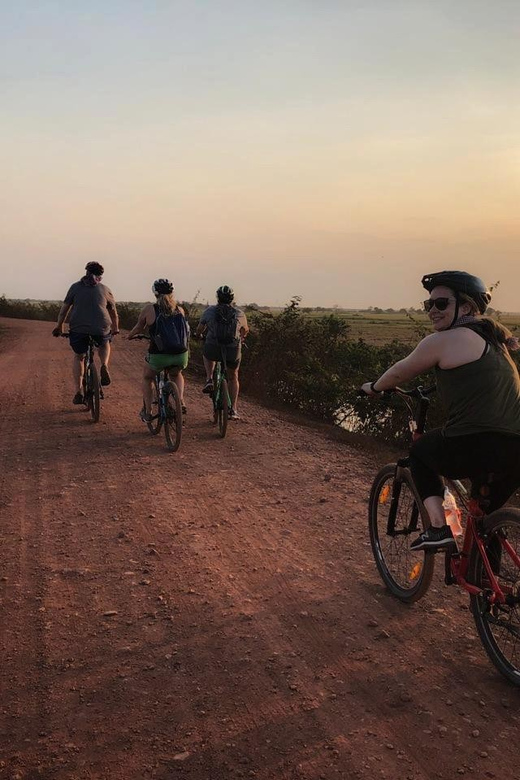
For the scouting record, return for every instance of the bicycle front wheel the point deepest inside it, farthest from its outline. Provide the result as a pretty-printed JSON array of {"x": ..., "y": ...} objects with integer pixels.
[
  {"x": 394, "y": 520},
  {"x": 173, "y": 414},
  {"x": 498, "y": 625},
  {"x": 93, "y": 392},
  {"x": 223, "y": 408}
]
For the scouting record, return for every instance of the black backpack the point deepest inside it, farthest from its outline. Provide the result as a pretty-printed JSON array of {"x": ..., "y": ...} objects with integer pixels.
[
  {"x": 226, "y": 322},
  {"x": 172, "y": 333}
]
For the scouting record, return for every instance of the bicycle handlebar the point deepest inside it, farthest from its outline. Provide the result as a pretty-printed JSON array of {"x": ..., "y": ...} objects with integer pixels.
[{"x": 418, "y": 392}]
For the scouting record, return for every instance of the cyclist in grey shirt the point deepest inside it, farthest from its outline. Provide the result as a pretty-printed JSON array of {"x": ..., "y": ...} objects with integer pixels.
[
  {"x": 230, "y": 322},
  {"x": 93, "y": 313}
]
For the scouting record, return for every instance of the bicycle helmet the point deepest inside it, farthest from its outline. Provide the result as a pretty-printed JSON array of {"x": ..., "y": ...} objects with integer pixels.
[
  {"x": 225, "y": 294},
  {"x": 460, "y": 282},
  {"x": 96, "y": 269},
  {"x": 162, "y": 287}
]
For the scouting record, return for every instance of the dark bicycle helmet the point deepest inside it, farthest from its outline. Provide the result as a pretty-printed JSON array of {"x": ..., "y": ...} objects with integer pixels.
[
  {"x": 162, "y": 287},
  {"x": 460, "y": 282},
  {"x": 96, "y": 269},
  {"x": 225, "y": 294}
]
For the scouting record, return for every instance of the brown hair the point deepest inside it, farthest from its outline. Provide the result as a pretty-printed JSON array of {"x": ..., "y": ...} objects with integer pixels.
[{"x": 490, "y": 330}]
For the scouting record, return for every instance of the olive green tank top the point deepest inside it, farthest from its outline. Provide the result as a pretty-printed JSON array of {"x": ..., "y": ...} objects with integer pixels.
[{"x": 481, "y": 396}]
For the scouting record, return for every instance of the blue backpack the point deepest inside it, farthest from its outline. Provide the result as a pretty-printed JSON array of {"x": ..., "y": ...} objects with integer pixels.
[{"x": 172, "y": 333}]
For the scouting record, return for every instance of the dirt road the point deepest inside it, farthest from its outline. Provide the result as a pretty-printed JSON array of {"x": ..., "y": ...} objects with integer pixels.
[{"x": 213, "y": 613}]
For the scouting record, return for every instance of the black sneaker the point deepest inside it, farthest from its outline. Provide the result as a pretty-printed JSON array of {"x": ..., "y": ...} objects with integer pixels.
[
  {"x": 434, "y": 539},
  {"x": 144, "y": 416},
  {"x": 105, "y": 376},
  {"x": 208, "y": 387},
  {"x": 78, "y": 399}
]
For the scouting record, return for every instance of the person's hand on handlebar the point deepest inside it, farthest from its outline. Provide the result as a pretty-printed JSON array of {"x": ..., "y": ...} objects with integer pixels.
[{"x": 368, "y": 389}]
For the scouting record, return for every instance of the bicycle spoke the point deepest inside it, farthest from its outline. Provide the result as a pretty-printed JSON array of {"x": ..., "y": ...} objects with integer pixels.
[
  {"x": 407, "y": 574},
  {"x": 499, "y": 624}
]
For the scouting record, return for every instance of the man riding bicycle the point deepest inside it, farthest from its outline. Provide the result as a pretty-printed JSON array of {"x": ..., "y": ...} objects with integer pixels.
[
  {"x": 479, "y": 385},
  {"x": 225, "y": 326},
  {"x": 93, "y": 314}
]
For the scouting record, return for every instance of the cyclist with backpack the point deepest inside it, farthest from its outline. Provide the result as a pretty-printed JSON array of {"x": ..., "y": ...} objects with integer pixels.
[
  {"x": 225, "y": 326},
  {"x": 169, "y": 336}
]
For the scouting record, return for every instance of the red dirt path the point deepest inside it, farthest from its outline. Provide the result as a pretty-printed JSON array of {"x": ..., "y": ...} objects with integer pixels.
[{"x": 213, "y": 613}]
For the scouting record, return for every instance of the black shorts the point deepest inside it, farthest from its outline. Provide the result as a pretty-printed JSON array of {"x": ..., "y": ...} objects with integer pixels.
[
  {"x": 79, "y": 341},
  {"x": 232, "y": 352}
]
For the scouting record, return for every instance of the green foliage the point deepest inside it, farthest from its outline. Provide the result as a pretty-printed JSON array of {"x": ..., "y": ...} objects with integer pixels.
[
  {"x": 312, "y": 364},
  {"x": 29, "y": 310}
]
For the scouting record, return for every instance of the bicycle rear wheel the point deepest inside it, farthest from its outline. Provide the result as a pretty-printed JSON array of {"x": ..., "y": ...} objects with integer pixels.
[
  {"x": 173, "y": 413},
  {"x": 498, "y": 625},
  {"x": 93, "y": 392},
  {"x": 393, "y": 521},
  {"x": 154, "y": 426},
  {"x": 223, "y": 408}
]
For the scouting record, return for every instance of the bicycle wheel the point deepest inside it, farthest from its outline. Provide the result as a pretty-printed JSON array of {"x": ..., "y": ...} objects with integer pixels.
[
  {"x": 394, "y": 521},
  {"x": 498, "y": 625},
  {"x": 223, "y": 408},
  {"x": 93, "y": 392},
  {"x": 173, "y": 416}
]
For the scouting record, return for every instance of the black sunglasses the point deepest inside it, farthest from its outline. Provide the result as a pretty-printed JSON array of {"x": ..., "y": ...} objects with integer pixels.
[{"x": 441, "y": 304}]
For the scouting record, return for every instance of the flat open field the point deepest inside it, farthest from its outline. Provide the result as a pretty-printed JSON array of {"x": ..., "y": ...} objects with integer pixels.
[{"x": 382, "y": 328}]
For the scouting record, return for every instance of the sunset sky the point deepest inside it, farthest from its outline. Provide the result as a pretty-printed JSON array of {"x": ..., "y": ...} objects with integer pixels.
[{"x": 333, "y": 149}]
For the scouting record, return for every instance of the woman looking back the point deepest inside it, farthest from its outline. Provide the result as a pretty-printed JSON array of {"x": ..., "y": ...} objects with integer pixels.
[{"x": 479, "y": 386}]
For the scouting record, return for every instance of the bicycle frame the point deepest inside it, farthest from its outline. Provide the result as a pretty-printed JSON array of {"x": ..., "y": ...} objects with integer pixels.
[{"x": 456, "y": 563}]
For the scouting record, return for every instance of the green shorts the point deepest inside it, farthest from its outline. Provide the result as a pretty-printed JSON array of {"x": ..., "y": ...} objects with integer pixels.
[{"x": 160, "y": 361}]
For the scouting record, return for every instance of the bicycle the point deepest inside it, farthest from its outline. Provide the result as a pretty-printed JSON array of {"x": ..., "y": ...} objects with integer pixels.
[
  {"x": 220, "y": 395},
  {"x": 167, "y": 404},
  {"x": 91, "y": 386},
  {"x": 486, "y": 566}
]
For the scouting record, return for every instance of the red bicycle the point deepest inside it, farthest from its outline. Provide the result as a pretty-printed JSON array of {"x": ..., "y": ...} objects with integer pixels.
[{"x": 487, "y": 565}]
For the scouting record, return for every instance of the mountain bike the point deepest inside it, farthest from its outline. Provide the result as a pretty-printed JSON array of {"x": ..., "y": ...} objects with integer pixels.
[
  {"x": 220, "y": 395},
  {"x": 91, "y": 386},
  {"x": 486, "y": 566},
  {"x": 166, "y": 408}
]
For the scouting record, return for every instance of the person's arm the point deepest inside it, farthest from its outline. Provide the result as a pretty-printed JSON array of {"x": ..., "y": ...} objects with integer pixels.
[
  {"x": 202, "y": 326},
  {"x": 425, "y": 356},
  {"x": 244, "y": 327},
  {"x": 140, "y": 325},
  {"x": 65, "y": 308},
  {"x": 112, "y": 311}
]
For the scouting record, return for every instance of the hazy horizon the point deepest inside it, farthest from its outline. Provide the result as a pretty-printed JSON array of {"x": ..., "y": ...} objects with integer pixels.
[{"x": 336, "y": 151}]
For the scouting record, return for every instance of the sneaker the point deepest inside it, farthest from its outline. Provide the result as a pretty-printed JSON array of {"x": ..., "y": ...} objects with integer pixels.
[
  {"x": 233, "y": 415},
  {"x": 78, "y": 398},
  {"x": 434, "y": 539},
  {"x": 105, "y": 376},
  {"x": 184, "y": 409},
  {"x": 208, "y": 387},
  {"x": 144, "y": 416}
]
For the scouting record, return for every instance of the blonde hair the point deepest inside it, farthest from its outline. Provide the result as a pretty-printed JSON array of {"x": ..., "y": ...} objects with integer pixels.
[{"x": 167, "y": 304}]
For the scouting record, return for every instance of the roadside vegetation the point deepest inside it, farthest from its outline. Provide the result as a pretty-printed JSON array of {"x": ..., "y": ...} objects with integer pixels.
[{"x": 311, "y": 360}]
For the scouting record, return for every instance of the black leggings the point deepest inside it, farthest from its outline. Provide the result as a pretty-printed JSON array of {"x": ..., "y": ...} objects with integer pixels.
[{"x": 488, "y": 459}]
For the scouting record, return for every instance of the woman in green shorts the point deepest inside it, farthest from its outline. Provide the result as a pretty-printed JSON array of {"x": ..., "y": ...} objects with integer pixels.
[{"x": 169, "y": 332}]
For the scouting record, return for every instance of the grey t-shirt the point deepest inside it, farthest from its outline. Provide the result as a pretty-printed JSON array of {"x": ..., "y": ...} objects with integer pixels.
[
  {"x": 90, "y": 307},
  {"x": 208, "y": 319}
]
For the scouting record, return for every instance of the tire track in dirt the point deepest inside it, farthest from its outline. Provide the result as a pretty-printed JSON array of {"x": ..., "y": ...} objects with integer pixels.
[{"x": 215, "y": 613}]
